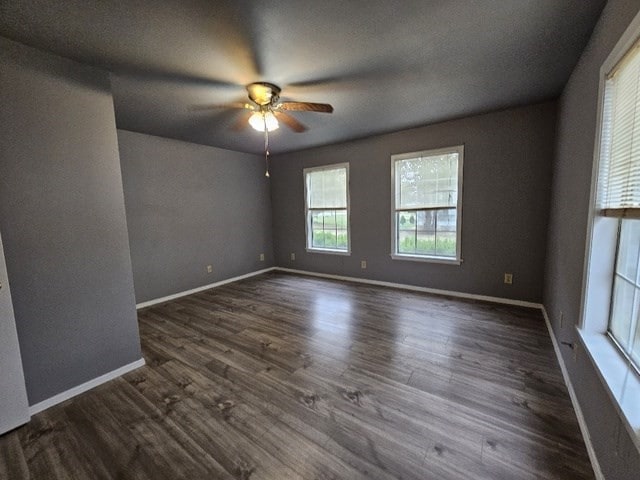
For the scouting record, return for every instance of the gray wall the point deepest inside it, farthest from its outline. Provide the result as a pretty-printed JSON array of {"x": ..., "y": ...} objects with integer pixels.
[
  {"x": 63, "y": 221},
  {"x": 189, "y": 206},
  {"x": 567, "y": 235},
  {"x": 14, "y": 404},
  {"x": 507, "y": 174}
]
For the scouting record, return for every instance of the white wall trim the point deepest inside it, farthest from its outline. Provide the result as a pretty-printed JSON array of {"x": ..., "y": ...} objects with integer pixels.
[
  {"x": 574, "y": 400},
  {"x": 435, "y": 291},
  {"x": 200, "y": 289},
  {"x": 77, "y": 390}
]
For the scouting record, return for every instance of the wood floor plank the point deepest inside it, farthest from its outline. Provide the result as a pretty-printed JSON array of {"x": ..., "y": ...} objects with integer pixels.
[
  {"x": 289, "y": 377},
  {"x": 15, "y": 464},
  {"x": 49, "y": 446}
]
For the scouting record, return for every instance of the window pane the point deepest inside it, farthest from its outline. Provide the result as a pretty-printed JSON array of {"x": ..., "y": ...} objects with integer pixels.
[
  {"x": 623, "y": 322},
  {"x": 627, "y": 264},
  {"x": 341, "y": 219},
  {"x": 446, "y": 232},
  {"x": 330, "y": 239},
  {"x": 406, "y": 242},
  {"x": 342, "y": 234},
  {"x": 342, "y": 239},
  {"x": 317, "y": 229},
  {"x": 426, "y": 230},
  {"x": 317, "y": 220},
  {"x": 329, "y": 219},
  {"x": 622, "y": 311},
  {"x": 324, "y": 239},
  {"x": 317, "y": 238},
  {"x": 406, "y": 225},
  {"x": 427, "y": 181},
  {"x": 635, "y": 350},
  {"x": 329, "y": 229}
]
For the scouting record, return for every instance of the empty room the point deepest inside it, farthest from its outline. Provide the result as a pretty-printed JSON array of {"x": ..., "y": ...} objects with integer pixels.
[{"x": 320, "y": 239}]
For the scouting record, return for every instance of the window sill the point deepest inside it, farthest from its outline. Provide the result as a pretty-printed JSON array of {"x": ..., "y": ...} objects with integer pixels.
[
  {"x": 328, "y": 251},
  {"x": 414, "y": 258},
  {"x": 620, "y": 378}
]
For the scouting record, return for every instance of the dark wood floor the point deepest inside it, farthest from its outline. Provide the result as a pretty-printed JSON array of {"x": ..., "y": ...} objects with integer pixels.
[{"x": 289, "y": 377}]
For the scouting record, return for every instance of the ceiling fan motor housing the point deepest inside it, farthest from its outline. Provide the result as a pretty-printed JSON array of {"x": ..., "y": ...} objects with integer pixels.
[{"x": 263, "y": 93}]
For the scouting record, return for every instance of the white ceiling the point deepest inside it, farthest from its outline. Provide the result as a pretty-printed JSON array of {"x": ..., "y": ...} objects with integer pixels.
[{"x": 384, "y": 65}]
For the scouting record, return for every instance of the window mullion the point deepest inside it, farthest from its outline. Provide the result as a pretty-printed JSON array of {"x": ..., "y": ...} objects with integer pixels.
[
  {"x": 324, "y": 232},
  {"x": 435, "y": 231},
  {"x": 335, "y": 225},
  {"x": 615, "y": 270},
  {"x": 415, "y": 234}
]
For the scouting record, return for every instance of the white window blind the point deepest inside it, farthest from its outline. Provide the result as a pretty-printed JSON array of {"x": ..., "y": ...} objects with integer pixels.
[
  {"x": 619, "y": 176},
  {"x": 327, "y": 188}
]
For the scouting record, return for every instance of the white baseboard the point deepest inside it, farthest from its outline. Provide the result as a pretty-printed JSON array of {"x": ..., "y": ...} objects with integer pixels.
[
  {"x": 435, "y": 291},
  {"x": 77, "y": 390},
  {"x": 574, "y": 400},
  {"x": 200, "y": 289}
]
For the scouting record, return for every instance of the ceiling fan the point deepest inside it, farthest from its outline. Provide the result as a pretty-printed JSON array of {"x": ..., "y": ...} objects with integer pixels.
[{"x": 266, "y": 111}]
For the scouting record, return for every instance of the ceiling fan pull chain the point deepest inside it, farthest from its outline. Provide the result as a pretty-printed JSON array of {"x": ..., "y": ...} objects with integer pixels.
[
  {"x": 266, "y": 146},
  {"x": 266, "y": 161}
]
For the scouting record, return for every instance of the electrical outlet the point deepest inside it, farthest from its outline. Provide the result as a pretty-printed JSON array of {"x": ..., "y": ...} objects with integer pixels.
[
  {"x": 262, "y": 257},
  {"x": 363, "y": 264},
  {"x": 508, "y": 278},
  {"x": 209, "y": 268},
  {"x": 293, "y": 257}
]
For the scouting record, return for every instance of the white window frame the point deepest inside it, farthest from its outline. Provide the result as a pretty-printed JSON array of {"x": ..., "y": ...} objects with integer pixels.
[
  {"x": 307, "y": 229},
  {"x": 459, "y": 149},
  {"x": 614, "y": 368}
]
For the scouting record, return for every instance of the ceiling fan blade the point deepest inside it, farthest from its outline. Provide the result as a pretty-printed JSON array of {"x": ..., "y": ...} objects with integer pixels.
[
  {"x": 305, "y": 107},
  {"x": 241, "y": 122},
  {"x": 290, "y": 122},
  {"x": 241, "y": 105},
  {"x": 158, "y": 75}
]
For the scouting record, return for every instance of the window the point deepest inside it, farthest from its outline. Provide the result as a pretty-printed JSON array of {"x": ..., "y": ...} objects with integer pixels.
[
  {"x": 618, "y": 195},
  {"x": 609, "y": 327},
  {"x": 327, "y": 208},
  {"x": 427, "y": 196}
]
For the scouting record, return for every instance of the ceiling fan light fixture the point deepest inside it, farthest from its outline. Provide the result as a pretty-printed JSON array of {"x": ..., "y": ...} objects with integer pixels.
[{"x": 258, "y": 121}]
